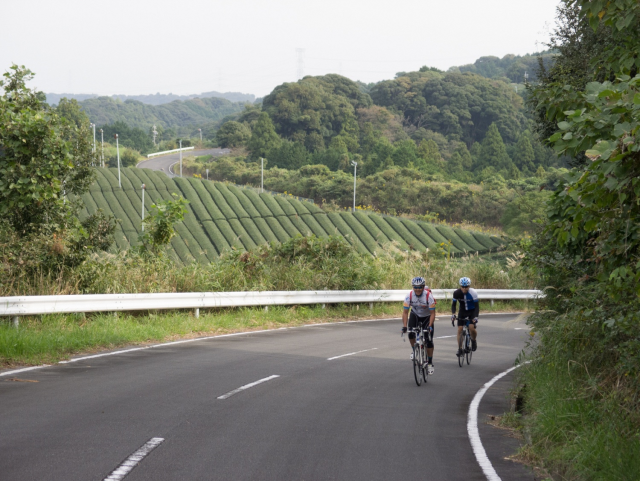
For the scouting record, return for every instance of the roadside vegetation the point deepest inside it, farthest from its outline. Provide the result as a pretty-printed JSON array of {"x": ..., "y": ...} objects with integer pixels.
[{"x": 581, "y": 391}]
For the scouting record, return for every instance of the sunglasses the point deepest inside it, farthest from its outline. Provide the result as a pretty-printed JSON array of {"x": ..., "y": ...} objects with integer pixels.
[{"x": 418, "y": 288}]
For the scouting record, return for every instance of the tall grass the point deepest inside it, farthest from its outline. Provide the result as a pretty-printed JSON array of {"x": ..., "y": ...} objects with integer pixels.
[{"x": 298, "y": 264}]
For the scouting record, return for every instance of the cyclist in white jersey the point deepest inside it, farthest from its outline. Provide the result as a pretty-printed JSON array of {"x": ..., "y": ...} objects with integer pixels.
[{"x": 422, "y": 305}]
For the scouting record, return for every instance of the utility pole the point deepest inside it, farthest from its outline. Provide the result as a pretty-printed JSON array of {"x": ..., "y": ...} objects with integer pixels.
[
  {"x": 142, "y": 215},
  {"x": 94, "y": 137},
  {"x": 200, "y": 130},
  {"x": 154, "y": 132},
  {"x": 355, "y": 167},
  {"x": 180, "y": 157},
  {"x": 526, "y": 76},
  {"x": 261, "y": 174},
  {"x": 102, "y": 143},
  {"x": 207, "y": 174},
  {"x": 118, "y": 155}
]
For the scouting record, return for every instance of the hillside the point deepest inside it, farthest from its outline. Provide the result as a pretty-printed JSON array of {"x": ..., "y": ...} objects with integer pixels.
[
  {"x": 156, "y": 99},
  {"x": 221, "y": 216},
  {"x": 200, "y": 111}
]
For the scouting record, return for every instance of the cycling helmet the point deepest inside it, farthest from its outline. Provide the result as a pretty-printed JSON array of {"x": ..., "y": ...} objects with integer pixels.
[
  {"x": 418, "y": 282},
  {"x": 464, "y": 282}
]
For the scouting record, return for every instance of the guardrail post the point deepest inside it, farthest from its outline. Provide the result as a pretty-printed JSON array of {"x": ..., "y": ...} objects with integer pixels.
[
  {"x": 491, "y": 302},
  {"x": 15, "y": 321},
  {"x": 371, "y": 306},
  {"x": 266, "y": 308},
  {"x": 196, "y": 313}
]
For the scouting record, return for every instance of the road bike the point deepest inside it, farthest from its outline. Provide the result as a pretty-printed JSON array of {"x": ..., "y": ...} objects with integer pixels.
[
  {"x": 420, "y": 368},
  {"x": 465, "y": 344}
]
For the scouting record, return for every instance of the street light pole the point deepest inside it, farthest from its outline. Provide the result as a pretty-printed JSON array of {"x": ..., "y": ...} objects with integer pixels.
[
  {"x": 262, "y": 174},
  {"x": 180, "y": 157},
  {"x": 142, "y": 215},
  {"x": 94, "y": 137},
  {"x": 355, "y": 167},
  {"x": 118, "y": 155},
  {"x": 207, "y": 174},
  {"x": 102, "y": 142}
]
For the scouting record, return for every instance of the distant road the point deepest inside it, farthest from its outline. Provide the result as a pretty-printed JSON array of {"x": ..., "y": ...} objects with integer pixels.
[
  {"x": 164, "y": 162},
  {"x": 323, "y": 402}
]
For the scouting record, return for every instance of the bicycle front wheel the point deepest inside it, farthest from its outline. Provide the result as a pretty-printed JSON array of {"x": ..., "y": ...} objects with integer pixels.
[
  {"x": 424, "y": 364},
  {"x": 468, "y": 349},
  {"x": 461, "y": 355},
  {"x": 417, "y": 364}
]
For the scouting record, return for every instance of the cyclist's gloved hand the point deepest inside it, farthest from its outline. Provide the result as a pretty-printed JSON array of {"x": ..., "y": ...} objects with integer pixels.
[
  {"x": 453, "y": 319},
  {"x": 475, "y": 321},
  {"x": 404, "y": 329},
  {"x": 430, "y": 328}
]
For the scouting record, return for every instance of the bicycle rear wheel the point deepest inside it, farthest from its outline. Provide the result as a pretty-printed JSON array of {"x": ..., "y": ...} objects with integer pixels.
[
  {"x": 468, "y": 349},
  {"x": 417, "y": 364}
]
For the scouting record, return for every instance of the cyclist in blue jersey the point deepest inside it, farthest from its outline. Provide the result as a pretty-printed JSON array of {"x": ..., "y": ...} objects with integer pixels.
[
  {"x": 422, "y": 305},
  {"x": 469, "y": 309}
]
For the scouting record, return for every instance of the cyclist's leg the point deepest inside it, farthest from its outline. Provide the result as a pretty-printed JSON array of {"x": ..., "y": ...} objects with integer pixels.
[
  {"x": 461, "y": 323},
  {"x": 413, "y": 323},
  {"x": 472, "y": 330}
]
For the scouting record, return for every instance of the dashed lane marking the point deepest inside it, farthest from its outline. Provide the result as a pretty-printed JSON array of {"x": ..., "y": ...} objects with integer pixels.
[
  {"x": 132, "y": 461},
  {"x": 247, "y": 386},
  {"x": 350, "y": 354}
]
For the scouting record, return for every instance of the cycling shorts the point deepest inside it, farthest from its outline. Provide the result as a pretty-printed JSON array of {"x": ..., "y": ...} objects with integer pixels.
[{"x": 413, "y": 323}]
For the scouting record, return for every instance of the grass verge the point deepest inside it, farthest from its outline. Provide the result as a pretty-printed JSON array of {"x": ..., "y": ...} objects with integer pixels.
[
  {"x": 573, "y": 428},
  {"x": 52, "y": 338}
]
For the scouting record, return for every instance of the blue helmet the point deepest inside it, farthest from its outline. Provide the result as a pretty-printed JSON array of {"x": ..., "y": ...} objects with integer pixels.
[
  {"x": 418, "y": 282},
  {"x": 464, "y": 282}
]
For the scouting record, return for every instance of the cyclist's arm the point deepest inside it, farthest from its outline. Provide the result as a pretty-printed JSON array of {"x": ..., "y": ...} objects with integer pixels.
[
  {"x": 433, "y": 317},
  {"x": 405, "y": 316},
  {"x": 476, "y": 311}
]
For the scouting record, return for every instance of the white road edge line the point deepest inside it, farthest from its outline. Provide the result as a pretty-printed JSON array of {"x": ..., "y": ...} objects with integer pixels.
[
  {"x": 444, "y": 337},
  {"x": 472, "y": 427},
  {"x": 247, "y": 386},
  {"x": 350, "y": 354},
  {"x": 132, "y": 461}
]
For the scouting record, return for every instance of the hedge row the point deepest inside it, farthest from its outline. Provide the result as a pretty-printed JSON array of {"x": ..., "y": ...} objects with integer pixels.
[
  {"x": 313, "y": 224},
  {"x": 272, "y": 205},
  {"x": 247, "y": 205},
  {"x": 258, "y": 203},
  {"x": 221, "y": 216},
  {"x": 232, "y": 200},
  {"x": 220, "y": 201},
  {"x": 360, "y": 231}
]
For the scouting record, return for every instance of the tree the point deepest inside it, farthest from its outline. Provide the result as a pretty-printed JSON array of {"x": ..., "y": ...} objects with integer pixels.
[
  {"x": 404, "y": 152},
  {"x": 44, "y": 158},
  {"x": 288, "y": 155},
  {"x": 233, "y": 134},
  {"x": 493, "y": 152},
  {"x": 159, "y": 225},
  {"x": 45, "y": 165},
  {"x": 263, "y": 136},
  {"x": 71, "y": 110},
  {"x": 524, "y": 156}
]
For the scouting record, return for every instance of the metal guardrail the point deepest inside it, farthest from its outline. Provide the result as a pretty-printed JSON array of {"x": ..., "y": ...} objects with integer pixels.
[
  {"x": 36, "y": 305},
  {"x": 155, "y": 154}
]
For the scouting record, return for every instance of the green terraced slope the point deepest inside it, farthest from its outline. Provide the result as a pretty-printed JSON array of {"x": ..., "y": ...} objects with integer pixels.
[{"x": 222, "y": 216}]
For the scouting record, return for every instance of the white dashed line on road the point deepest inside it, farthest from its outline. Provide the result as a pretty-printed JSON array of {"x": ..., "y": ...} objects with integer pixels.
[
  {"x": 247, "y": 386},
  {"x": 350, "y": 354},
  {"x": 132, "y": 461},
  {"x": 444, "y": 337}
]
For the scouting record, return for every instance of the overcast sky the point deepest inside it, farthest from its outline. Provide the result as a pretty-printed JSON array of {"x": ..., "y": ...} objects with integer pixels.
[{"x": 192, "y": 46}]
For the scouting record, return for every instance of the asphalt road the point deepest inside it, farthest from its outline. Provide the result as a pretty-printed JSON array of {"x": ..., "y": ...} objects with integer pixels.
[
  {"x": 357, "y": 417},
  {"x": 164, "y": 162}
]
